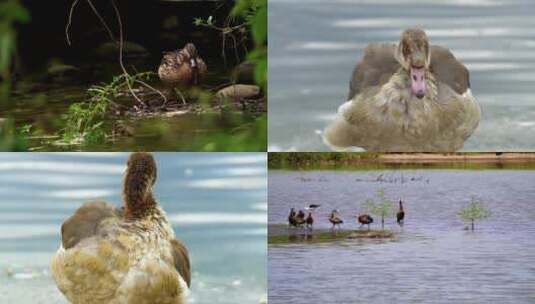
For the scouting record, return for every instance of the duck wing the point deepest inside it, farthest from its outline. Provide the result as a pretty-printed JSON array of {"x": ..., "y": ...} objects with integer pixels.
[
  {"x": 374, "y": 69},
  {"x": 85, "y": 221},
  {"x": 181, "y": 260},
  {"x": 447, "y": 69}
]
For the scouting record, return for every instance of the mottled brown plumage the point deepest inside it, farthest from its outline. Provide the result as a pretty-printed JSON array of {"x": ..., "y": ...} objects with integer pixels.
[
  {"x": 139, "y": 179},
  {"x": 182, "y": 67},
  {"x": 128, "y": 255}
]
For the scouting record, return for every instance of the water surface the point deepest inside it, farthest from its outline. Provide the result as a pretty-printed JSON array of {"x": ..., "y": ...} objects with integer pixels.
[
  {"x": 216, "y": 204},
  {"x": 314, "y": 46},
  {"x": 432, "y": 258}
]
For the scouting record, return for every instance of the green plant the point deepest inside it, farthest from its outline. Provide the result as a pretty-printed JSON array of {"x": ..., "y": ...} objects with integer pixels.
[
  {"x": 382, "y": 208},
  {"x": 249, "y": 137},
  {"x": 474, "y": 211},
  {"x": 84, "y": 121},
  {"x": 255, "y": 14},
  {"x": 11, "y": 12},
  {"x": 10, "y": 137}
]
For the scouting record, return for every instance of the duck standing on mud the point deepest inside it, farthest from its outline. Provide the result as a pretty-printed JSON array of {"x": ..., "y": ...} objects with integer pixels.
[
  {"x": 365, "y": 219},
  {"x": 291, "y": 217},
  {"x": 128, "y": 255},
  {"x": 300, "y": 218},
  {"x": 310, "y": 220},
  {"x": 335, "y": 219},
  {"x": 181, "y": 68}
]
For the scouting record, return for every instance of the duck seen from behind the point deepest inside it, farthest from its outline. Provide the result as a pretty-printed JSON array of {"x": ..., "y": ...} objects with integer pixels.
[
  {"x": 409, "y": 97},
  {"x": 127, "y": 255}
]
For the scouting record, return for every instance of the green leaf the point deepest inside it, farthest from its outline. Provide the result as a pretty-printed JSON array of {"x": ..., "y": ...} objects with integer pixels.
[
  {"x": 6, "y": 48},
  {"x": 259, "y": 26}
]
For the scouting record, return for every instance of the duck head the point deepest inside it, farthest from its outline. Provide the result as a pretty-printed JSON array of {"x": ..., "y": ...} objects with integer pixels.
[
  {"x": 138, "y": 182},
  {"x": 414, "y": 56},
  {"x": 192, "y": 54}
]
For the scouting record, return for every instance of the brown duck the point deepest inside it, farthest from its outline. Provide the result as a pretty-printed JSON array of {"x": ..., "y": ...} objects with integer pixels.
[
  {"x": 409, "y": 97},
  {"x": 128, "y": 255},
  {"x": 182, "y": 68}
]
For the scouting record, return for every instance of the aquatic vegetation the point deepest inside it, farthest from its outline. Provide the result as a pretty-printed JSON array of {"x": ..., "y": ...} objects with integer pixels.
[
  {"x": 84, "y": 121},
  {"x": 382, "y": 208},
  {"x": 474, "y": 211}
]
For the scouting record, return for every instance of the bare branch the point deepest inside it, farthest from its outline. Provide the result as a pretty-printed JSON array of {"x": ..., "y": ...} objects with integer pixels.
[
  {"x": 102, "y": 20},
  {"x": 69, "y": 21}
]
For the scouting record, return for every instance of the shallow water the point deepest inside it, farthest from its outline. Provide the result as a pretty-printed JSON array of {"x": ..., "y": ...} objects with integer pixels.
[
  {"x": 216, "y": 203},
  {"x": 44, "y": 104},
  {"x": 314, "y": 46},
  {"x": 432, "y": 258}
]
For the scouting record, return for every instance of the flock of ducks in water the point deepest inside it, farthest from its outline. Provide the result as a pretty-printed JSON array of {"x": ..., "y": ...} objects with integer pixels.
[{"x": 299, "y": 219}]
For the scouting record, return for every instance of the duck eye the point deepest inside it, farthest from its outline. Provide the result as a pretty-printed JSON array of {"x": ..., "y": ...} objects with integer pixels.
[{"x": 414, "y": 77}]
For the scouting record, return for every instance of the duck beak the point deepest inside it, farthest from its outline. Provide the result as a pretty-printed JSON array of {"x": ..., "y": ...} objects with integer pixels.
[{"x": 418, "y": 86}]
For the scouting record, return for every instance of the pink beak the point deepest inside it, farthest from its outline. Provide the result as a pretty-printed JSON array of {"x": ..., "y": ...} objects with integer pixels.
[{"x": 418, "y": 82}]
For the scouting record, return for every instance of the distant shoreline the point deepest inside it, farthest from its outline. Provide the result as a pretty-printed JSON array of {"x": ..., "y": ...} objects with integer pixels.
[
  {"x": 469, "y": 157},
  {"x": 365, "y": 160}
]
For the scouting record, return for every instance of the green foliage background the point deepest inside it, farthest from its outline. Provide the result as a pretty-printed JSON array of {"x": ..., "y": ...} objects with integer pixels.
[
  {"x": 11, "y": 12},
  {"x": 85, "y": 120}
]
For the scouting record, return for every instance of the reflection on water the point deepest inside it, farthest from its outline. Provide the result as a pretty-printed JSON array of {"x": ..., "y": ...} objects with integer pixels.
[
  {"x": 313, "y": 49},
  {"x": 213, "y": 201},
  {"x": 432, "y": 260}
]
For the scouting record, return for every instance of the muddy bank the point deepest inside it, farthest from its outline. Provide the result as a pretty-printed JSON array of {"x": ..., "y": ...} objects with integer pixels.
[{"x": 280, "y": 234}]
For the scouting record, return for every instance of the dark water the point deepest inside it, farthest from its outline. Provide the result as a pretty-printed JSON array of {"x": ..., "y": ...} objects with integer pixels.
[
  {"x": 216, "y": 203},
  {"x": 42, "y": 105},
  {"x": 432, "y": 258},
  {"x": 314, "y": 46}
]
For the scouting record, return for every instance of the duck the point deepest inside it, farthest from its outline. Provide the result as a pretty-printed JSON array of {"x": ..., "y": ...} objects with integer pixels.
[
  {"x": 123, "y": 255},
  {"x": 335, "y": 219},
  {"x": 300, "y": 219},
  {"x": 409, "y": 97},
  {"x": 182, "y": 68},
  {"x": 291, "y": 217},
  {"x": 310, "y": 220},
  {"x": 365, "y": 219},
  {"x": 400, "y": 215}
]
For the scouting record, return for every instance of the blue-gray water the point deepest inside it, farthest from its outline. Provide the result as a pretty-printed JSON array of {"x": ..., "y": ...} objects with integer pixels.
[
  {"x": 314, "y": 46},
  {"x": 432, "y": 258},
  {"x": 215, "y": 201}
]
